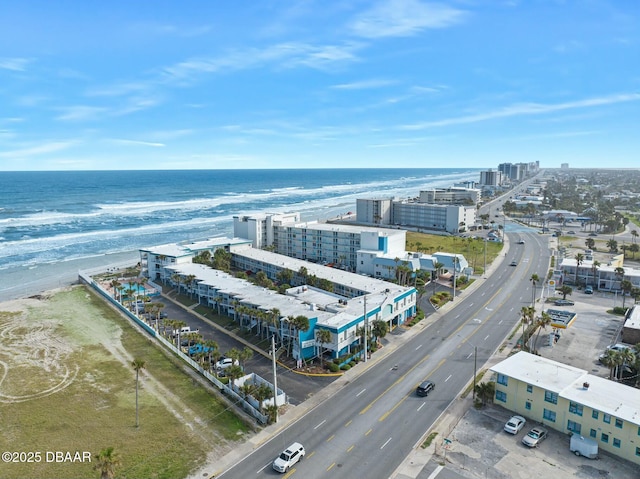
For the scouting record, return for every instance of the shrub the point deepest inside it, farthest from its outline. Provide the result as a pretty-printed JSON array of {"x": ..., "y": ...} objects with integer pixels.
[
  {"x": 334, "y": 368},
  {"x": 345, "y": 367}
]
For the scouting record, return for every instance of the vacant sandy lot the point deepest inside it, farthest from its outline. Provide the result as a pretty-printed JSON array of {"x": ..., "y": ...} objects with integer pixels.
[{"x": 67, "y": 385}]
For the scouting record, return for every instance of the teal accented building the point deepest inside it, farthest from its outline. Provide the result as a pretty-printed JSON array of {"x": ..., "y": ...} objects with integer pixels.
[{"x": 571, "y": 401}]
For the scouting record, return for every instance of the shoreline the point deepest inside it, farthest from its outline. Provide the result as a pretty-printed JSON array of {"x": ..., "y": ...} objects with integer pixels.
[{"x": 19, "y": 283}]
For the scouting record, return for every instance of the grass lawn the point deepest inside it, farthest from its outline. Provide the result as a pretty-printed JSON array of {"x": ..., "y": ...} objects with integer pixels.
[
  {"x": 69, "y": 387},
  {"x": 472, "y": 249}
]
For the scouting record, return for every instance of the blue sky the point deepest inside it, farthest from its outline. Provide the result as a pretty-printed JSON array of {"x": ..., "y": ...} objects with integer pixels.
[{"x": 90, "y": 85}]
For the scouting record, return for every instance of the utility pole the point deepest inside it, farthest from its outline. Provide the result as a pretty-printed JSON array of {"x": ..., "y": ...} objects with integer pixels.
[
  {"x": 475, "y": 369},
  {"x": 275, "y": 379},
  {"x": 366, "y": 331},
  {"x": 484, "y": 271}
]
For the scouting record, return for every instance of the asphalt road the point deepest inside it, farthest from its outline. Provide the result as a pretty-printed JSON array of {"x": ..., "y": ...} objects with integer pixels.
[{"x": 367, "y": 428}]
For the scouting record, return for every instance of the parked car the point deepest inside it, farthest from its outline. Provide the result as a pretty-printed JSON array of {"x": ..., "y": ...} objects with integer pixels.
[
  {"x": 588, "y": 290},
  {"x": 225, "y": 363},
  {"x": 615, "y": 347},
  {"x": 535, "y": 437},
  {"x": 563, "y": 302},
  {"x": 289, "y": 457},
  {"x": 514, "y": 424},
  {"x": 425, "y": 388}
]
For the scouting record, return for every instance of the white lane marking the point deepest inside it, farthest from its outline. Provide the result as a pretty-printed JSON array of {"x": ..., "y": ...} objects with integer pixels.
[
  {"x": 388, "y": 441},
  {"x": 422, "y": 405},
  {"x": 435, "y": 473},
  {"x": 419, "y": 346},
  {"x": 320, "y": 424},
  {"x": 361, "y": 392},
  {"x": 500, "y": 322},
  {"x": 470, "y": 354},
  {"x": 487, "y": 337},
  {"x": 447, "y": 378}
]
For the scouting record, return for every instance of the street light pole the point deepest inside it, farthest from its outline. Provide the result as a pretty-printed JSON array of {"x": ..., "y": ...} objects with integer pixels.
[{"x": 475, "y": 369}]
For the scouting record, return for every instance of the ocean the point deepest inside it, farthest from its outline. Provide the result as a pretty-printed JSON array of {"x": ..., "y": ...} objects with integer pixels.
[{"x": 54, "y": 223}]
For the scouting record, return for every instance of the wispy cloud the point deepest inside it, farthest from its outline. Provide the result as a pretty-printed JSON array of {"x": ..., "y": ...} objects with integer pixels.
[
  {"x": 287, "y": 55},
  {"x": 81, "y": 113},
  {"x": 364, "y": 84},
  {"x": 404, "y": 18},
  {"x": 161, "y": 29},
  {"x": 14, "y": 64},
  {"x": 118, "y": 141},
  {"x": 525, "y": 109},
  {"x": 38, "y": 150}
]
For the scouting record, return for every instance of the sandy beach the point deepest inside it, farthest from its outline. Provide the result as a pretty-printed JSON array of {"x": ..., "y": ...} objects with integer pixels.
[{"x": 23, "y": 282}]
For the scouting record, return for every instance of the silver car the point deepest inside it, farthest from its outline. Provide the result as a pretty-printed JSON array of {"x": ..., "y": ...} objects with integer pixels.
[
  {"x": 535, "y": 437},
  {"x": 514, "y": 424}
]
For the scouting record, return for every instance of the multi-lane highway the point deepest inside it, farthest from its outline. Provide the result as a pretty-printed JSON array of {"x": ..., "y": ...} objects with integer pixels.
[{"x": 369, "y": 426}]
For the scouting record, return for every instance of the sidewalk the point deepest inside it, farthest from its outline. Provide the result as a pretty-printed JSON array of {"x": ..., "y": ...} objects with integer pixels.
[{"x": 416, "y": 460}]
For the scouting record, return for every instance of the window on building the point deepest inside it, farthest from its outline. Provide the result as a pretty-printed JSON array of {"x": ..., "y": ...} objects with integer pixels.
[
  {"x": 574, "y": 426},
  {"x": 549, "y": 415},
  {"x": 501, "y": 396},
  {"x": 606, "y": 418},
  {"x": 605, "y": 438},
  {"x": 616, "y": 442},
  {"x": 619, "y": 423},
  {"x": 502, "y": 379},
  {"x": 593, "y": 433},
  {"x": 527, "y": 405},
  {"x": 529, "y": 388},
  {"x": 575, "y": 408},
  {"x": 595, "y": 414},
  {"x": 551, "y": 397}
]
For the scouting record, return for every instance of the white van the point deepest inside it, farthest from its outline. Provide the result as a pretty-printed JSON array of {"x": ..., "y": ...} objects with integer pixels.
[{"x": 184, "y": 330}]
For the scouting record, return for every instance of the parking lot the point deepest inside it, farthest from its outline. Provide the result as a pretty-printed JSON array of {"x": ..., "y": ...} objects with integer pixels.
[{"x": 479, "y": 447}]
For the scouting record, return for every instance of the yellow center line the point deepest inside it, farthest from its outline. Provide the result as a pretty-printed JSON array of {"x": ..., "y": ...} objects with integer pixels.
[
  {"x": 368, "y": 432},
  {"x": 400, "y": 379},
  {"x": 331, "y": 467},
  {"x": 386, "y": 414},
  {"x": 331, "y": 438},
  {"x": 348, "y": 424},
  {"x": 351, "y": 448}
]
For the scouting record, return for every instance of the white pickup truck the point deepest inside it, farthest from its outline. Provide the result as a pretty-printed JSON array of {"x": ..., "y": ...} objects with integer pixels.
[{"x": 184, "y": 330}]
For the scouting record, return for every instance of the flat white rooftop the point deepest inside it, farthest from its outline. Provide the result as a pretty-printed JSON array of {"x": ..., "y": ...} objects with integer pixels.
[{"x": 607, "y": 396}]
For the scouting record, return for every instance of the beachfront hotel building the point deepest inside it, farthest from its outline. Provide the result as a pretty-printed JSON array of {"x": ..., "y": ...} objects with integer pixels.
[
  {"x": 415, "y": 214},
  {"x": 369, "y": 250},
  {"x": 348, "y": 303},
  {"x": 451, "y": 196},
  {"x": 571, "y": 401}
]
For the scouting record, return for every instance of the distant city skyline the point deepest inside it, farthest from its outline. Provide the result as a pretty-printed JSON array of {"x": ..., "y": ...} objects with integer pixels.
[{"x": 315, "y": 84}]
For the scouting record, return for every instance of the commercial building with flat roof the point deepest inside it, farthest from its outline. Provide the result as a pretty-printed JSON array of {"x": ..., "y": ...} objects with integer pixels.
[{"x": 571, "y": 401}]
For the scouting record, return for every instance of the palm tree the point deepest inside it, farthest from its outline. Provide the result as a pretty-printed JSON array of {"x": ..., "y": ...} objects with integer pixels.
[
  {"x": 300, "y": 323},
  {"x": 627, "y": 358},
  {"x": 543, "y": 321},
  {"x": 626, "y": 286},
  {"x": 379, "y": 329},
  {"x": 565, "y": 290},
  {"x": 485, "y": 391},
  {"x": 115, "y": 284},
  {"x": 137, "y": 364},
  {"x": 323, "y": 336},
  {"x": 590, "y": 243},
  {"x": 106, "y": 463},
  {"x": 634, "y": 235},
  {"x": 619, "y": 272},
  {"x": 612, "y": 245},
  {"x": 594, "y": 270},
  {"x": 245, "y": 355},
  {"x": 189, "y": 281},
  {"x": 535, "y": 279},
  {"x": 579, "y": 260},
  {"x": 527, "y": 313},
  {"x": 612, "y": 360}
]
